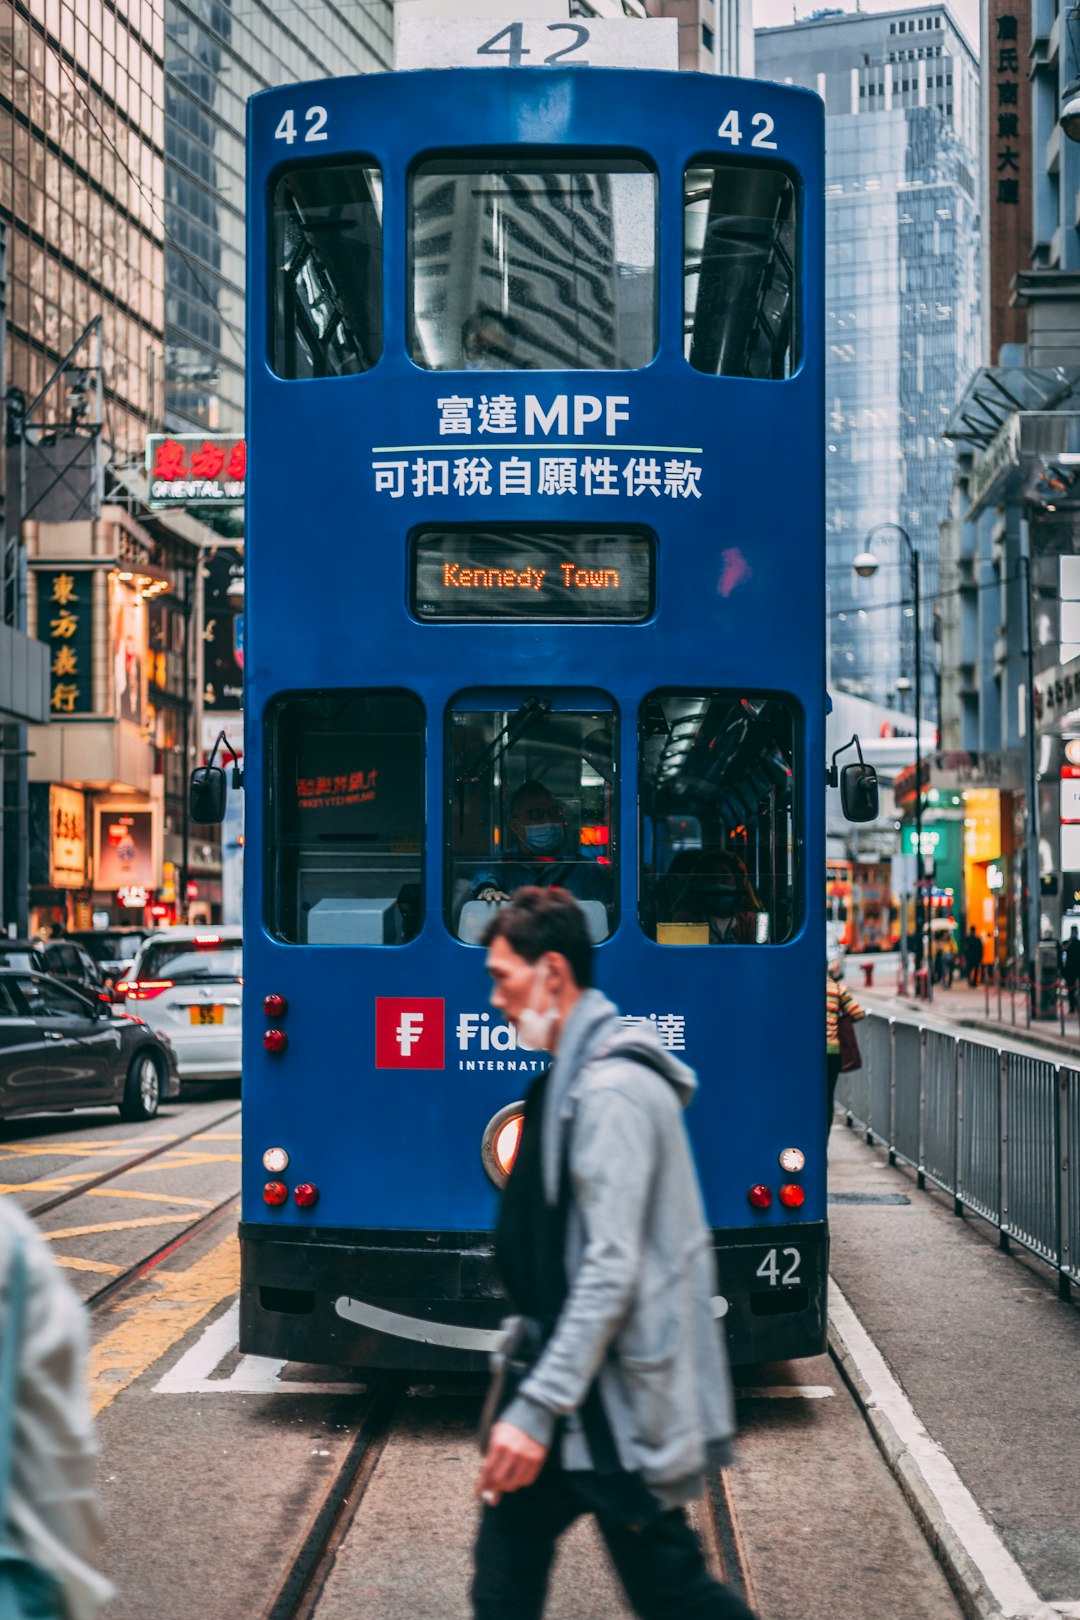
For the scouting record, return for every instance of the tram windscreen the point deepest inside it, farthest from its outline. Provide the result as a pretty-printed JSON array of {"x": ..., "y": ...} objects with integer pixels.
[
  {"x": 718, "y": 843},
  {"x": 345, "y": 817},
  {"x": 531, "y": 800},
  {"x": 533, "y": 264},
  {"x": 739, "y": 298},
  {"x": 547, "y": 576},
  {"x": 326, "y": 298}
]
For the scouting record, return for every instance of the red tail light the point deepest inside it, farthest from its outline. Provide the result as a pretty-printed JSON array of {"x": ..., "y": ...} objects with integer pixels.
[
  {"x": 792, "y": 1196},
  {"x": 145, "y": 989},
  {"x": 759, "y": 1197},
  {"x": 306, "y": 1195},
  {"x": 275, "y": 1040},
  {"x": 275, "y": 1192},
  {"x": 275, "y": 1006}
]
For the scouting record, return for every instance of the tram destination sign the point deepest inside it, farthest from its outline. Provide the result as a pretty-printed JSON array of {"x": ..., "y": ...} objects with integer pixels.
[{"x": 552, "y": 576}]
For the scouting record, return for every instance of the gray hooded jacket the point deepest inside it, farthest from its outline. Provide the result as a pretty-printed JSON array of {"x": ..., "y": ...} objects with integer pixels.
[{"x": 639, "y": 1263}]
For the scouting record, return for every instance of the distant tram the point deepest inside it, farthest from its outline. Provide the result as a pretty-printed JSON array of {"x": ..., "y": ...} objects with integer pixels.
[{"x": 534, "y": 593}]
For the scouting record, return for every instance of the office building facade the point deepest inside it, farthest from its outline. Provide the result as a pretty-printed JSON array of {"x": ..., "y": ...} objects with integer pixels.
[
  {"x": 216, "y": 57},
  {"x": 901, "y": 92}
]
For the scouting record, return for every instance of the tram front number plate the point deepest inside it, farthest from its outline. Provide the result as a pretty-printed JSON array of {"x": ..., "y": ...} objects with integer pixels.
[{"x": 207, "y": 1015}]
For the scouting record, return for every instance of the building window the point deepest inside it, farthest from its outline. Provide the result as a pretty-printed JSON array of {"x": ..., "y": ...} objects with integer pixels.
[{"x": 707, "y": 38}]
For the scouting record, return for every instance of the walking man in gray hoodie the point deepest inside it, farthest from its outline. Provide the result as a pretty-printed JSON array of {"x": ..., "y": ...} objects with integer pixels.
[{"x": 616, "y": 1395}]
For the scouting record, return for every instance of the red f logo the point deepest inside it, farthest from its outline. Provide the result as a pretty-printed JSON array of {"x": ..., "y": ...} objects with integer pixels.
[{"x": 409, "y": 1032}]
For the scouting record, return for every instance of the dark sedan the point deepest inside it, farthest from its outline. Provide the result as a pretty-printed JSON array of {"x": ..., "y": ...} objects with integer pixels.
[{"x": 58, "y": 1049}]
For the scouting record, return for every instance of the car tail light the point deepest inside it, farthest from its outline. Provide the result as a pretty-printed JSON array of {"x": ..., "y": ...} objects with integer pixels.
[
  {"x": 146, "y": 989},
  {"x": 275, "y": 1006},
  {"x": 792, "y": 1195},
  {"x": 207, "y": 939},
  {"x": 275, "y": 1040},
  {"x": 275, "y": 1192},
  {"x": 306, "y": 1195},
  {"x": 759, "y": 1197}
]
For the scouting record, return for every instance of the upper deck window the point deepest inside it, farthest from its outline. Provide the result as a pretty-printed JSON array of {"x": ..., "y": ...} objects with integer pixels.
[
  {"x": 739, "y": 303},
  {"x": 326, "y": 299},
  {"x": 533, "y": 264}
]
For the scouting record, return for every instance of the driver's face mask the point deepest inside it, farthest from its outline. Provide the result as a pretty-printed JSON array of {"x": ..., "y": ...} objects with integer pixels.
[{"x": 544, "y": 837}]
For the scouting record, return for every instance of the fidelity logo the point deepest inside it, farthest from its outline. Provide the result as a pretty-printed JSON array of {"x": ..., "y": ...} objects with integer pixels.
[{"x": 409, "y": 1032}]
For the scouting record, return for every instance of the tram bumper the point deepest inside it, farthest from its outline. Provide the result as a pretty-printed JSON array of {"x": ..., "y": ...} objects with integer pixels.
[{"x": 430, "y": 1301}]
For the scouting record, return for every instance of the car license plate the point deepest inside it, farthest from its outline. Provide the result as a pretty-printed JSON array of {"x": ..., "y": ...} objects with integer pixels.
[{"x": 207, "y": 1015}]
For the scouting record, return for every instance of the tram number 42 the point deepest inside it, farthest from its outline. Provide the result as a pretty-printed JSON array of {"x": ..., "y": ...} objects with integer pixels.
[
  {"x": 731, "y": 130},
  {"x": 780, "y": 1267},
  {"x": 315, "y": 118}
]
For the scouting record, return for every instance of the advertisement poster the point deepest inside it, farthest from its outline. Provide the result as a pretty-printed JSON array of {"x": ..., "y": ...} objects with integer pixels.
[
  {"x": 223, "y": 630},
  {"x": 123, "y": 847},
  {"x": 129, "y": 652}
]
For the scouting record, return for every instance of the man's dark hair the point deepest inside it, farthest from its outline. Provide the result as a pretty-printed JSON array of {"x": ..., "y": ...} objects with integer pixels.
[{"x": 540, "y": 920}]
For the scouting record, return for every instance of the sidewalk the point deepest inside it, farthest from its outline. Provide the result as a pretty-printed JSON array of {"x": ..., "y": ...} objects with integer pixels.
[
  {"x": 965, "y": 1009},
  {"x": 987, "y": 1356}
]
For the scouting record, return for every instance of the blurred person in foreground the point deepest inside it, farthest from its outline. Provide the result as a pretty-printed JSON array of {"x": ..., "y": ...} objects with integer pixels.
[
  {"x": 51, "y": 1530},
  {"x": 839, "y": 1004},
  {"x": 611, "y": 1395}
]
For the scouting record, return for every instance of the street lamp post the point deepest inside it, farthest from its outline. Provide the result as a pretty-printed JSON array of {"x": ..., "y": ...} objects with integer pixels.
[{"x": 866, "y": 565}]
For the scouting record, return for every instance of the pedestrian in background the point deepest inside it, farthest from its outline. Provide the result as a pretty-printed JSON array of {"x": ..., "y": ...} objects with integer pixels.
[
  {"x": 616, "y": 1395},
  {"x": 839, "y": 1004},
  {"x": 973, "y": 955},
  {"x": 1070, "y": 967},
  {"x": 49, "y": 1529}
]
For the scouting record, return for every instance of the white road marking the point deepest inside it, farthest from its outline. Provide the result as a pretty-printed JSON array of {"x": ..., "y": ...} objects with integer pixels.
[
  {"x": 780, "y": 1392},
  {"x": 253, "y": 1375},
  {"x": 962, "y": 1516}
]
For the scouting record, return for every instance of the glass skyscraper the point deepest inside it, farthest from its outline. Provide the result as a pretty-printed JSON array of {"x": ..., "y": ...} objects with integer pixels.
[
  {"x": 218, "y": 54},
  {"x": 902, "y": 317}
]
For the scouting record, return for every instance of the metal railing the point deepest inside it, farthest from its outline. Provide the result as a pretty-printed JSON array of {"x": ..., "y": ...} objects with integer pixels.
[{"x": 998, "y": 1131}]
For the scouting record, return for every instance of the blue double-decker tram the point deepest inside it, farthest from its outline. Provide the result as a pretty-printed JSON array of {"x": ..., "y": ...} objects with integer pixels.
[{"x": 534, "y": 595}]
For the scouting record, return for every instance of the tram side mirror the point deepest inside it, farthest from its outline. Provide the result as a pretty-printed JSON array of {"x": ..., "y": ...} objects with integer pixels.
[
  {"x": 206, "y": 794},
  {"x": 859, "y": 792}
]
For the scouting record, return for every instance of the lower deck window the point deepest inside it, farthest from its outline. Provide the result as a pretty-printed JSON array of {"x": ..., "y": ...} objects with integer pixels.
[
  {"x": 345, "y": 812},
  {"x": 718, "y": 845},
  {"x": 532, "y": 800}
]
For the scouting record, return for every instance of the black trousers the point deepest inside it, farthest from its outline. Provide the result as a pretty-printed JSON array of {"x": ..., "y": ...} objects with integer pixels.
[{"x": 660, "y": 1564}]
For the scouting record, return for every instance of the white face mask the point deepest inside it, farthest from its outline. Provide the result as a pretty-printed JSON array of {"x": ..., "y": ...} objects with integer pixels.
[{"x": 535, "y": 1026}]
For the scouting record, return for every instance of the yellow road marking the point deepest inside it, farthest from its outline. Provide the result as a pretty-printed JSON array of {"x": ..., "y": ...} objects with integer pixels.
[
  {"x": 47, "y": 1183},
  {"x": 113, "y": 1226},
  {"x": 222, "y": 1136},
  {"x": 101, "y": 1144},
  {"x": 182, "y": 1299},
  {"x": 185, "y": 1161},
  {"x": 151, "y": 1197},
  {"x": 74, "y": 1262}
]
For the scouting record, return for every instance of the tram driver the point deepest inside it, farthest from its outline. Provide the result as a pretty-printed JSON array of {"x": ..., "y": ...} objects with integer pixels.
[{"x": 539, "y": 826}]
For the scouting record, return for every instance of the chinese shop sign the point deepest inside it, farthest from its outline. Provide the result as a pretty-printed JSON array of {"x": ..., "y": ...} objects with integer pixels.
[
  {"x": 67, "y": 837},
  {"x": 188, "y": 468},
  {"x": 1007, "y": 111},
  {"x": 65, "y": 624}
]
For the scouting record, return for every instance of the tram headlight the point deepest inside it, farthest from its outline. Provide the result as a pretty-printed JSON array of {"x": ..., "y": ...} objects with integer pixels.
[
  {"x": 500, "y": 1142},
  {"x": 275, "y": 1160},
  {"x": 792, "y": 1160}
]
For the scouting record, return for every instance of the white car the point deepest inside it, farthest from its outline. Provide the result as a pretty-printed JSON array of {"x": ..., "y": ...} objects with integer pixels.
[{"x": 188, "y": 983}]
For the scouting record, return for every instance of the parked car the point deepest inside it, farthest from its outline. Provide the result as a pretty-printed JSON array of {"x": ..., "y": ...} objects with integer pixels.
[
  {"x": 113, "y": 949},
  {"x": 24, "y": 954},
  {"x": 67, "y": 961},
  {"x": 59, "y": 1049},
  {"x": 188, "y": 983}
]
